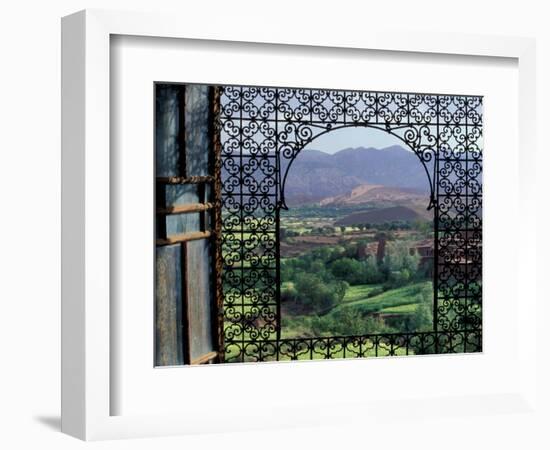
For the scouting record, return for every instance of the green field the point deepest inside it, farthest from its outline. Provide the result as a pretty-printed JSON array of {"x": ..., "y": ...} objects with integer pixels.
[
  {"x": 402, "y": 309},
  {"x": 360, "y": 292},
  {"x": 357, "y": 298},
  {"x": 359, "y": 301}
]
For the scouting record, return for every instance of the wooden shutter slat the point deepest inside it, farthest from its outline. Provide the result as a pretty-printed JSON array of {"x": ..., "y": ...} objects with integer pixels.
[
  {"x": 187, "y": 208},
  {"x": 204, "y": 358},
  {"x": 184, "y": 237},
  {"x": 185, "y": 180}
]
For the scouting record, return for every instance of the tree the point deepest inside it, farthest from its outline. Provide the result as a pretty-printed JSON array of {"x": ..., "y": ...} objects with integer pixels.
[
  {"x": 291, "y": 233},
  {"x": 349, "y": 270},
  {"x": 329, "y": 229},
  {"x": 400, "y": 264},
  {"x": 316, "y": 295},
  {"x": 372, "y": 271},
  {"x": 422, "y": 319},
  {"x": 347, "y": 321},
  {"x": 289, "y": 293},
  {"x": 423, "y": 226}
]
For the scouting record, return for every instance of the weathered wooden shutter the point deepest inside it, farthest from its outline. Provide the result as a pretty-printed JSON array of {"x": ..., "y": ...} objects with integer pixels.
[{"x": 187, "y": 206}]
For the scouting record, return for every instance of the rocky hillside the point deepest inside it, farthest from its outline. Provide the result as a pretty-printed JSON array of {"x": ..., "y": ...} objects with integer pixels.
[
  {"x": 374, "y": 193},
  {"x": 377, "y": 216}
]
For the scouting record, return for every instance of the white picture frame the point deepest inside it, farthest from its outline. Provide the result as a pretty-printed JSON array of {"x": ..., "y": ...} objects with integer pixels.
[{"x": 86, "y": 138}]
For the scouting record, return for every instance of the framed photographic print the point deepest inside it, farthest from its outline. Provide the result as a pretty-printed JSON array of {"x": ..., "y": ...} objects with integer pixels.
[
  {"x": 236, "y": 229},
  {"x": 277, "y": 239}
]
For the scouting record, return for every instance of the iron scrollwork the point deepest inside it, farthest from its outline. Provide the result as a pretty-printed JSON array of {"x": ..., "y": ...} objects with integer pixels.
[{"x": 263, "y": 129}]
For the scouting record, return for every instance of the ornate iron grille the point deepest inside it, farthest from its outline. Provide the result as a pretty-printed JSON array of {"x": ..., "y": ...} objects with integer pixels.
[{"x": 261, "y": 127}]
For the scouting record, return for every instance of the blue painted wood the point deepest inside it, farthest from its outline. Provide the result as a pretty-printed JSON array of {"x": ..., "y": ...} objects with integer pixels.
[
  {"x": 200, "y": 297},
  {"x": 168, "y": 307},
  {"x": 181, "y": 195},
  {"x": 167, "y": 121},
  {"x": 197, "y": 139}
]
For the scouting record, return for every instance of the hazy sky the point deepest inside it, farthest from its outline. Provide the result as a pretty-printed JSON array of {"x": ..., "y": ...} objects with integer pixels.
[{"x": 336, "y": 140}]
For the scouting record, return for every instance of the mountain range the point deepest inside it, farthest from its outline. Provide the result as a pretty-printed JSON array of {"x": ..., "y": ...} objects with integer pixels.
[{"x": 355, "y": 175}]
